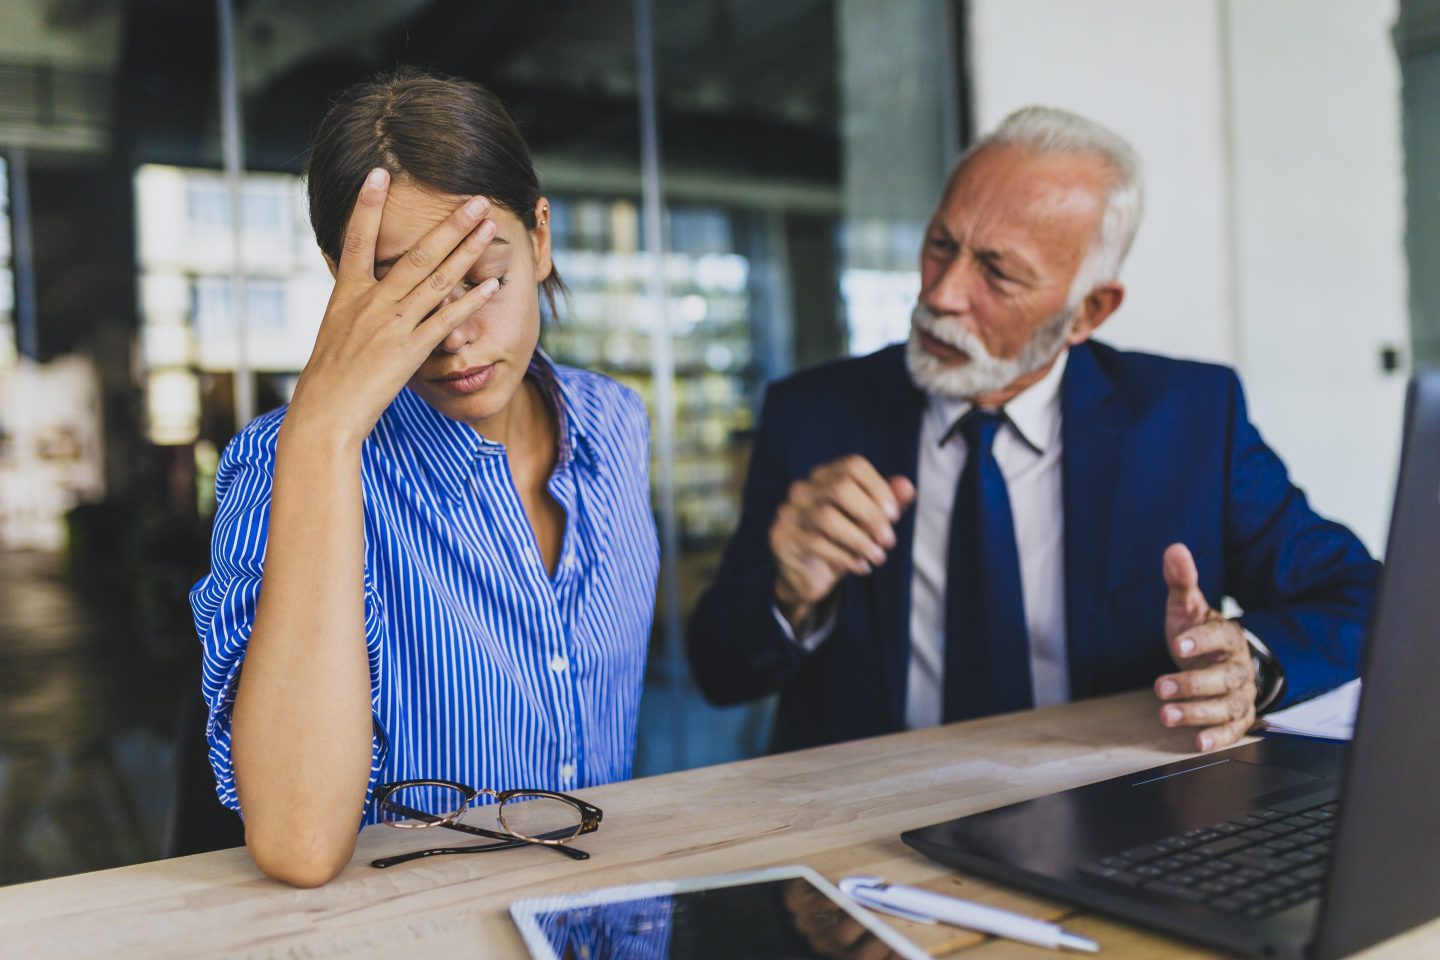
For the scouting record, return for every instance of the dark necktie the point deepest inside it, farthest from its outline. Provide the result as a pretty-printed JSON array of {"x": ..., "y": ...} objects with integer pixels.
[{"x": 987, "y": 648}]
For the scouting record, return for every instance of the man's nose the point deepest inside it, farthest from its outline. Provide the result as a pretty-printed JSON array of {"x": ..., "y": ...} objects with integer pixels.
[{"x": 949, "y": 291}]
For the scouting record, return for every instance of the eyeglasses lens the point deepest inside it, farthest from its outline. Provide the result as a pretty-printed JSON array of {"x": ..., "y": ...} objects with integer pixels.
[
  {"x": 538, "y": 817},
  {"x": 422, "y": 804}
]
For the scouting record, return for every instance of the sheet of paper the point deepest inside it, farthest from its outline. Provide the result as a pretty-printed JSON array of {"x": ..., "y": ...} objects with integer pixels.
[{"x": 1330, "y": 715}]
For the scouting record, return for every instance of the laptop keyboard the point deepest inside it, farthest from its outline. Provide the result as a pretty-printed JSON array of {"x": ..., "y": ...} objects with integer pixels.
[{"x": 1252, "y": 866}]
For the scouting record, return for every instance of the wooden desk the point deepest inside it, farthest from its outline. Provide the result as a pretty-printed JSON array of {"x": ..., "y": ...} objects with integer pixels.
[{"x": 838, "y": 809}]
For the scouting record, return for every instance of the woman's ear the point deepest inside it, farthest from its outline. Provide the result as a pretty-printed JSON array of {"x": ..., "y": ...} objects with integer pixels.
[
  {"x": 334, "y": 270},
  {"x": 540, "y": 240}
]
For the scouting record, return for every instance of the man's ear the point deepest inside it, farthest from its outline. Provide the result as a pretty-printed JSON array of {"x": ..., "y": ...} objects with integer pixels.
[
  {"x": 1094, "y": 310},
  {"x": 334, "y": 270},
  {"x": 540, "y": 240}
]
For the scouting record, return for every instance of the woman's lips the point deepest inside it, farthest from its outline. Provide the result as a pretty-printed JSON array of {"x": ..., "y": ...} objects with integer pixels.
[
  {"x": 942, "y": 350},
  {"x": 470, "y": 380}
]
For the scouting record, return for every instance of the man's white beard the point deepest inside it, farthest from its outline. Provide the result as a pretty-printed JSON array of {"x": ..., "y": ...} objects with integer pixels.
[{"x": 983, "y": 373}]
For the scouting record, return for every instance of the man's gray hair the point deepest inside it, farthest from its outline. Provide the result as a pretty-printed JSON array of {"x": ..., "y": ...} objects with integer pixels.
[{"x": 1050, "y": 130}]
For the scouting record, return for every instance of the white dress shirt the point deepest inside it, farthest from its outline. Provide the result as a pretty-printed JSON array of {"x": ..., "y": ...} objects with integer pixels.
[
  {"x": 1028, "y": 452},
  {"x": 1030, "y": 462}
]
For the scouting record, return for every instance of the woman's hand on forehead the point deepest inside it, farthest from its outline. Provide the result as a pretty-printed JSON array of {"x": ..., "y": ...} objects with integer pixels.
[{"x": 377, "y": 333}]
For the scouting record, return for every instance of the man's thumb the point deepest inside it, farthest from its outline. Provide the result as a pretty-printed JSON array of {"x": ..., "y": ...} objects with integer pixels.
[{"x": 1181, "y": 576}]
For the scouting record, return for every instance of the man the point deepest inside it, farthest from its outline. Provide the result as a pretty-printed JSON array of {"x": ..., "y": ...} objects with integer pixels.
[{"x": 1001, "y": 513}]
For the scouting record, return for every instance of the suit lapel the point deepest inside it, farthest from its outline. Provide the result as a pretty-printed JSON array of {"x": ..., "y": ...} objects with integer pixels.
[
  {"x": 1092, "y": 429},
  {"x": 892, "y": 442}
]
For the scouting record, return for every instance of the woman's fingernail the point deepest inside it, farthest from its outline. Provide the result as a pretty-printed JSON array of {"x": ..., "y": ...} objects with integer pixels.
[
  {"x": 1206, "y": 742},
  {"x": 376, "y": 179},
  {"x": 475, "y": 206},
  {"x": 1186, "y": 646},
  {"x": 1172, "y": 716},
  {"x": 489, "y": 286},
  {"x": 1168, "y": 688}
]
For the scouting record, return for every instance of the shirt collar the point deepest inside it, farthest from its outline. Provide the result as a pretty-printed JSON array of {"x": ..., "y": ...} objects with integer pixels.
[
  {"x": 1034, "y": 414},
  {"x": 447, "y": 447}
]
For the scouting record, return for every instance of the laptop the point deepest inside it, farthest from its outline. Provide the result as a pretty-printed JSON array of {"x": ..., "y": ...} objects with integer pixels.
[{"x": 1287, "y": 847}]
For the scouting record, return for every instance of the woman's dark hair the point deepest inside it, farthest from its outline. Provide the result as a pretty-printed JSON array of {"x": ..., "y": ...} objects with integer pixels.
[{"x": 447, "y": 135}]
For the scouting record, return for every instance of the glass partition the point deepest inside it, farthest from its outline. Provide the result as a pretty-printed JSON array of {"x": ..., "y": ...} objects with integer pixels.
[
  {"x": 803, "y": 144},
  {"x": 122, "y": 354},
  {"x": 99, "y": 533}
]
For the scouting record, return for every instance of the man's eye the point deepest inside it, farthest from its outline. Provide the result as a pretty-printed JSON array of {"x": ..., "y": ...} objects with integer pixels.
[
  {"x": 995, "y": 271},
  {"x": 942, "y": 244}
]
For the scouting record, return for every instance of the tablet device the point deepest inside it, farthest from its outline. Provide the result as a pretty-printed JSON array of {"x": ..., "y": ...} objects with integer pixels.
[{"x": 782, "y": 913}]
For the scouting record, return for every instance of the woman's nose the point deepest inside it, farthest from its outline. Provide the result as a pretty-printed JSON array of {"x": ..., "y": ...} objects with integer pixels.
[{"x": 457, "y": 339}]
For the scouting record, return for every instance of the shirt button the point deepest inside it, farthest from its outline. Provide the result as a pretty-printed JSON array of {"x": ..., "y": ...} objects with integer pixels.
[
  {"x": 567, "y": 771},
  {"x": 558, "y": 664}
]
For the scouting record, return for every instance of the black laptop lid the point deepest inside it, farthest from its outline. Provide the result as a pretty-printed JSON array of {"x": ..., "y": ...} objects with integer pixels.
[{"x": 1385, "y": 867}]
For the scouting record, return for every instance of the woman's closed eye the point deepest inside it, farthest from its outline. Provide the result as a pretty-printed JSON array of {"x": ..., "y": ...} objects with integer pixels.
[{"x": 470, "y": 283}]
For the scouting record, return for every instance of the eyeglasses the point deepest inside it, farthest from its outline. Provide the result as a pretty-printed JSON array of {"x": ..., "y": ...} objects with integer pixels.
[{"x": 517, "y": 818}]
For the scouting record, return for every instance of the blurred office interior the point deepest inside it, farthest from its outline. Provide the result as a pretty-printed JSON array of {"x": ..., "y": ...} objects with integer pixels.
[{"x": 1293, "y": 184}]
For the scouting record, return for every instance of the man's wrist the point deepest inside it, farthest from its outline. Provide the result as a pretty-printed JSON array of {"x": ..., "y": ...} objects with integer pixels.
[
  {"x": 1269, "y": 675},
  {"x": 813, "y": 629},
  {"x": 795, "y": 614}
]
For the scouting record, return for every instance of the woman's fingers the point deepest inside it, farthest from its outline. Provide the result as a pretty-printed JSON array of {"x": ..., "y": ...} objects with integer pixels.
[
  {"x": 357, "y": 249},
  {"x": 438, "y": 325},
  {"x": 414, "y": 270},
  {"x": 441, "y": 283}
]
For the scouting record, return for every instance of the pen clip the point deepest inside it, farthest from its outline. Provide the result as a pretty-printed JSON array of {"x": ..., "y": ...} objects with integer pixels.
[{"x": 869, "y": 892}]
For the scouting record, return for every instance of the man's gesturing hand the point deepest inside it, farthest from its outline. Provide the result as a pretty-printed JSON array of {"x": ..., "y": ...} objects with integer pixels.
[
  {"x": 838, "y": 520},
  {"x": 1215, "y": 688}
]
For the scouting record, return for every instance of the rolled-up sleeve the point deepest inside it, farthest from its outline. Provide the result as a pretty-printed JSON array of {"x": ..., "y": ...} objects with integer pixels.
[{"x": 225, "y": 600}]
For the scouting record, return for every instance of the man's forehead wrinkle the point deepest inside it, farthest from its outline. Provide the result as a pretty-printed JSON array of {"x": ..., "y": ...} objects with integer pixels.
[{"x": 1020, "y": 213}]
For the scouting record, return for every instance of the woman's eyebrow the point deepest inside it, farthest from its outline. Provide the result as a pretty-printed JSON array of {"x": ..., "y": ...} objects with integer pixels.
[{"x": 389, "y": 262}]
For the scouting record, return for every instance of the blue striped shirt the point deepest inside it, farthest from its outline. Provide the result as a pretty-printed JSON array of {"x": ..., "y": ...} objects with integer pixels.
[{"x": 484, "y": 668}]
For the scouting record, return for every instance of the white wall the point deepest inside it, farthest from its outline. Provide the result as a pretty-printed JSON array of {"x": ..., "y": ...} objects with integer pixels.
[
  {"x": 1273, "y": 237},
  {"x": 1151, "y": 72},
  {"x": 1319, "y": 242}
]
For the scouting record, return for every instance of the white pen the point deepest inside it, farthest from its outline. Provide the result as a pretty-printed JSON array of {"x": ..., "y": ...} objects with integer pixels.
[{"x": 913, "y": 903}]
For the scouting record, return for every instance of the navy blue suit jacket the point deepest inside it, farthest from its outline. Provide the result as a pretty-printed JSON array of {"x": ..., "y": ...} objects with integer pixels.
[{"x": 1156, "y": 451}]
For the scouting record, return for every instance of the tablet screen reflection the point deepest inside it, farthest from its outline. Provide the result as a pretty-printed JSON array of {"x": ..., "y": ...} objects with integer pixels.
[{"x": 787, "y": 919}]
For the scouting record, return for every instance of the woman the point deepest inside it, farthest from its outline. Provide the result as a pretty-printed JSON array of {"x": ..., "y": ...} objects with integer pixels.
[{"x": 439, "y": 561}]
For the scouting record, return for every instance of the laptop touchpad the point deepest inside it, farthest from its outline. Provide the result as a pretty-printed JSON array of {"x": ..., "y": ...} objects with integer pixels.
[{"x": 1229, "y": 777}]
